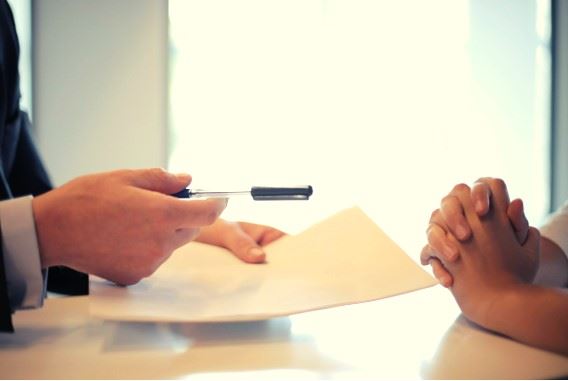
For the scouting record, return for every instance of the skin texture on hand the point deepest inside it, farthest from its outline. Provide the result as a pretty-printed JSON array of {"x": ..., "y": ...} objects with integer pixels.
[
  {"x": 119, "y": 225},
  {"x": 492, "y": 278},
  {"x": 553, "y": 268},
  {"x": 243, "y": 239},
  {"x": 450, "y": 219},
  {"x": 533, "y": 314},
  {"x": 492, "y": 260}
]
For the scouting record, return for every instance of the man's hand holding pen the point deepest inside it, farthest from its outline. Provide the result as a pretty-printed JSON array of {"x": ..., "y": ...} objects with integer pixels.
[
  {"x": 123, "y": 225},
  {"x": 119, "y": 225}
]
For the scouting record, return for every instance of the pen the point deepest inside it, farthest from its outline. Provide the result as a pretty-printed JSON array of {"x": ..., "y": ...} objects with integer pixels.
[{"x": 257, "y": 193}]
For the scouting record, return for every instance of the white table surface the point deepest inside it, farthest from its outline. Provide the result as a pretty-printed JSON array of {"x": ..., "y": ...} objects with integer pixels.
[{"x": 417, "y": 335}]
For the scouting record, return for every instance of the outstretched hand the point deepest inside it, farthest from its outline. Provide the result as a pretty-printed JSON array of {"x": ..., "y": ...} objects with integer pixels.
[{"x": 243, "y": 239}]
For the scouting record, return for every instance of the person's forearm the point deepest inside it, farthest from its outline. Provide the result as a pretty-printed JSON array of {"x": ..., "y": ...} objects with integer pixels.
[
  {"x": 534, "y": 315},
  {"x": 553, "y": 268}
]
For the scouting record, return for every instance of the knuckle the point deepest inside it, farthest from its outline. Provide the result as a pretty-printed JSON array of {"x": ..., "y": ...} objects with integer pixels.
[
  {"x": 452, "y": 210},
  {"x": 211, "y": 217},
  {"x": 482, "y": 180},
  {"x": 431, "y": 233},
  {"x": 120, "y": 173},
  {"x": 460, "y": 188},
  {"x": 479, "y": 187},
  {"x": 434, "y": 216},
  {"x": 127, "y": 175},
  {"x": 448, "y": 202},
  {"x": 157, "y": 173},
  {"x": 499, "y": 183},
  {"x": 242, "y": 246}
]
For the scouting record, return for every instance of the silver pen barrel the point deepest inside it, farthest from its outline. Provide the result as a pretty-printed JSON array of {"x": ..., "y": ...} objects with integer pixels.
[{"x": 200, "y": 193}]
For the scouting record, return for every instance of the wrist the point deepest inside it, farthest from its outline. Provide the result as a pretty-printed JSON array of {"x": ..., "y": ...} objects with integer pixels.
[
  {"x": 213, "y": 234},
  {"x": 553, "y": 265},
  {"x": 42, "y": 225},
  {"x": 503, "y": 305}
]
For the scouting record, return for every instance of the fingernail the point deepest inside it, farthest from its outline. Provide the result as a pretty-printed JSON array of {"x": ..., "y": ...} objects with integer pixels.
[
  {"x": 256, "y": 252},
  {"x": 479, "y": 207},
  {"x": 461, "y": 231}
]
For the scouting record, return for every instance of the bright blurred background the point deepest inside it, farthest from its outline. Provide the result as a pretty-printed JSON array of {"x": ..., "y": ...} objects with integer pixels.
[
  {"x": 378, "y": 103},
  {"x": 381, "y": 104}
]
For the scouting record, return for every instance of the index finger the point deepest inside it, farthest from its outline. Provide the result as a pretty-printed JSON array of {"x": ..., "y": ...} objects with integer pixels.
[
  {"x": 262, "y": 234},
  {"x": 499, "y": 194},
  {"x": 195, "y": 213},
  {"x": 518, "y": 220},
  {"x": 453, "y": 215},
  {"x": 480, "y": 195}
]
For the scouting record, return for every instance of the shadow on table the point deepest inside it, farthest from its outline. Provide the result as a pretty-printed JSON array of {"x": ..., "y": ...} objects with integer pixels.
[
  {"x": 125, "y": 336},
  {"x": 192, "y": 348}
]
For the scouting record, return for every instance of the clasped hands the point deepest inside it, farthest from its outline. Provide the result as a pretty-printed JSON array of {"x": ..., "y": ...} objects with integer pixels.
[{"x": 480, "y": 245}]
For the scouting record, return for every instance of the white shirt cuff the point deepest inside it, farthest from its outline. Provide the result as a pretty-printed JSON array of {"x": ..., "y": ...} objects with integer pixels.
[
  {"x": 25, "y": 282},
  {"x": 556, "y": 228}
]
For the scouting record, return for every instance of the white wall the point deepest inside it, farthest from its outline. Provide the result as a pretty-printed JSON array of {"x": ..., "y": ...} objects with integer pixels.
[
  {"x": 560, "y": 133},
  {"x": 100, "y": 84},
  {"x": 383, "y": 104},
  {"x": 22, "y": 16}
]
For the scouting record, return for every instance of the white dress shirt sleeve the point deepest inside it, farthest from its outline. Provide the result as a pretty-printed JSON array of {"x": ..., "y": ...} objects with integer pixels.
[
  {"x": 25, "y": 281},
  {"x": 556, "y": 228}
]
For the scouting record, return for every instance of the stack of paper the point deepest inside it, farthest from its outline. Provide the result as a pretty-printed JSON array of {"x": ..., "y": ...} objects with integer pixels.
[{"x": 345, "y": 259}]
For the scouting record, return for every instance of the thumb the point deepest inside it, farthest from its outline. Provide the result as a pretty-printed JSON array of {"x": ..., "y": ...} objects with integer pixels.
[
  {"x": 533, "y": 240},
  {"x": 245, "y": 247},
  {"x": 159, "y": 180},
  {"x": 518, "y": 220}
]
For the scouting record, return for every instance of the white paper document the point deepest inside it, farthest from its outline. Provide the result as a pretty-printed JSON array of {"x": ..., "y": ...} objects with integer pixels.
[{"x": 344, "y": 259}]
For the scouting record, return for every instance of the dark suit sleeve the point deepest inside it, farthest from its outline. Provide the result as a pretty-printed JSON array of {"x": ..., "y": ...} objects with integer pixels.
[
  {"x": 5, "y": 311},
  {"x": 29, "y": 176},
  {"x": 21, "y": 169}
]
